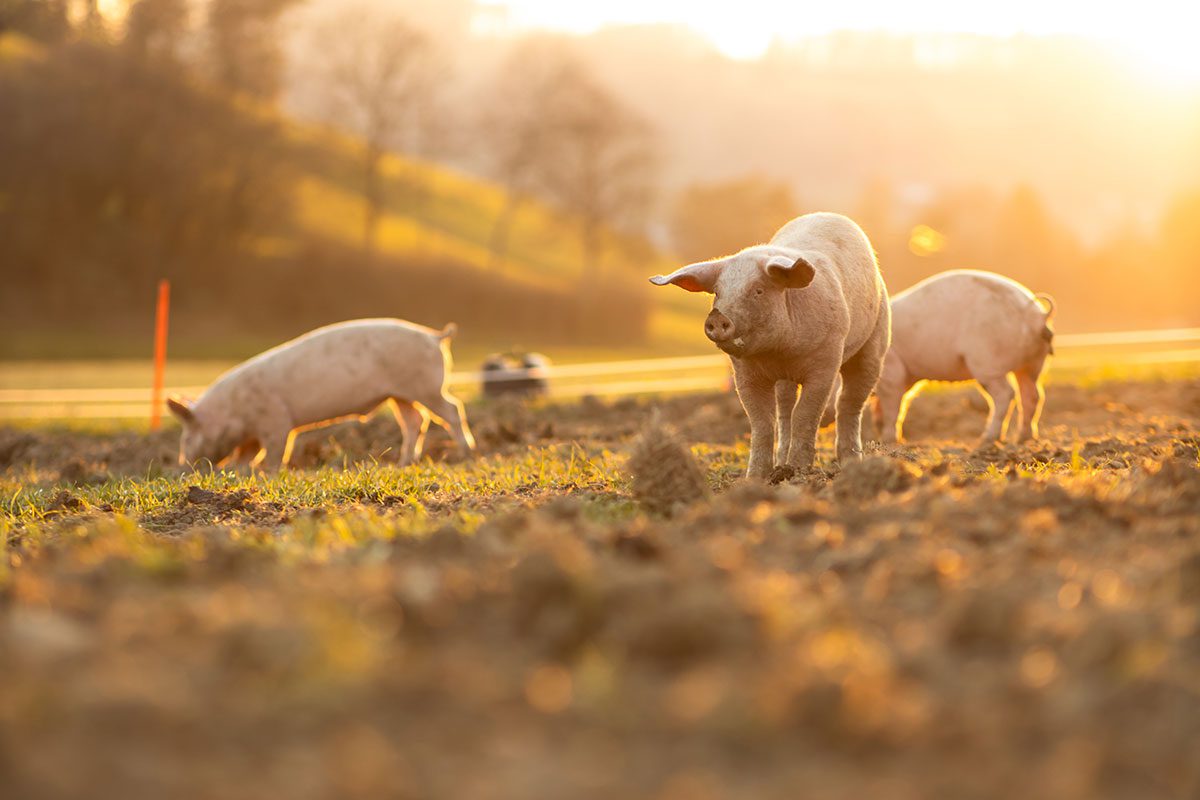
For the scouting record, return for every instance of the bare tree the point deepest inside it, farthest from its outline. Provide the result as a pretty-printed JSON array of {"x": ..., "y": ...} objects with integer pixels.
[
  {"x": 514, "y": 124},
  {"x": 378, "y": 75},
  {"x": 709, "y": 219},
  {"x": 556, "y": 132},
  {"x": 601, "y": 161},
  {"x": 155, "y": 29},
  {"x": 244, "y": 51}
]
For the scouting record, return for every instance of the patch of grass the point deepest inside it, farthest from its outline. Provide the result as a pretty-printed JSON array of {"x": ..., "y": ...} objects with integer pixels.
[{"x": 416, "y": 491}]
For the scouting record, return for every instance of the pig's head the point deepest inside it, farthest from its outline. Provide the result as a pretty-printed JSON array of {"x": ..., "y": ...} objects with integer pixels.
[
  {"x": 205, "y": 435},
  {"x": 749, "y": 313}
]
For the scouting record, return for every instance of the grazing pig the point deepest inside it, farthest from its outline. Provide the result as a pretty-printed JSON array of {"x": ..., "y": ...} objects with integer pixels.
[
  {"x": 333, "y": 373},
  {"x": 963, "y": 325},
  {"x": 798, "y": 310}
]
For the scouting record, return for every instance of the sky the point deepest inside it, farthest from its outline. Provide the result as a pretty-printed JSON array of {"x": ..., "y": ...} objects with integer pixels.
[{"x": 1158, "y": 33}]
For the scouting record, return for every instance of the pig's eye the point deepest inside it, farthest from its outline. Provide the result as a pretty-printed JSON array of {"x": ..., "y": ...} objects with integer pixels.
[{"x": 758, "y": 291}]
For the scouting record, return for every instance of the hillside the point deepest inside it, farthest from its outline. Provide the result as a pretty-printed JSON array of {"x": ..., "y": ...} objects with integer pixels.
[
  {"x": 163, "y": 197},
  {"x": 434, "y": 212}
]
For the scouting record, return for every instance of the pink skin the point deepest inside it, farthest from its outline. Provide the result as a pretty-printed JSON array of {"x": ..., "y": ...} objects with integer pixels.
[
  {"x": 968, "y": 325},
  {"x": 333, "y": 373},
  {"x": 798, "y": 311}
]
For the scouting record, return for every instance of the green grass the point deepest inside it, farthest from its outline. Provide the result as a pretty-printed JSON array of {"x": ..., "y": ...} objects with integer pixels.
[{"x": 469, "y": 488}]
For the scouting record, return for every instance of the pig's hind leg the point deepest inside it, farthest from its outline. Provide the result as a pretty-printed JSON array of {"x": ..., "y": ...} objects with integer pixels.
[
  {"x": 893, "y": 395},
  {"x": 413, "y": 424},
  {"x": 447, "y": 411},
  {"x": 860, "y": 374},
  {"x": 1000, "y": 397},
  {"x": 1029, "y": 384}
]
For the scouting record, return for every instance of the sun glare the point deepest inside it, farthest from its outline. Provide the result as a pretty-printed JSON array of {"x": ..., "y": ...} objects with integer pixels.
[
  {"x": 1174, "y": 58},
  {"x": 1161, "y": 46}
]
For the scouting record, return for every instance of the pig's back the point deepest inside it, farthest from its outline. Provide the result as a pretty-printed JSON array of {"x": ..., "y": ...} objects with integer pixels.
[
  {"x": 850, "y": 252},
  {"x": 951, "y": 321},
  {"x": 345, "y": 368}
]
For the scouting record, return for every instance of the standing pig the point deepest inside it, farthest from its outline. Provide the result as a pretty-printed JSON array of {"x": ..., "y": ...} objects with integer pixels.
[
  {"x": 333, "y": 373},
  {"x": 798, "y": 310},
  {"x": 963, "y": 325}
]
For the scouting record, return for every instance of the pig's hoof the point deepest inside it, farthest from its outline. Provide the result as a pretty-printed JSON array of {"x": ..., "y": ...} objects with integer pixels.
[{"x": 781, "y": 474}]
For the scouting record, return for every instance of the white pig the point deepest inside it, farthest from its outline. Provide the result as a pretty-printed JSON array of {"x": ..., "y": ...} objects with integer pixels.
[
  {"x": 963, "y": 325},
  {"x": 337, "y": 372},
  {"x": 798, "y": 310}
]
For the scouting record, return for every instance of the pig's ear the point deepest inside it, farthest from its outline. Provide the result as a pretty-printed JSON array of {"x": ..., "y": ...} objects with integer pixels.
[
  {"x": 790, "y": 272},
  {"x": 699, "y": 277},
  {"x": 182, "y": 409}
]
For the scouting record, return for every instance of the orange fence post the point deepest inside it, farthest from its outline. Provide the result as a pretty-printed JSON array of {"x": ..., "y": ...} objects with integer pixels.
[{"x": 160, "y": 351}]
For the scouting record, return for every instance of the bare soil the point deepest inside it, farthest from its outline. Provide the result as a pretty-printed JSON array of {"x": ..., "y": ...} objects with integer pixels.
[{"x": 935, "y": 621}]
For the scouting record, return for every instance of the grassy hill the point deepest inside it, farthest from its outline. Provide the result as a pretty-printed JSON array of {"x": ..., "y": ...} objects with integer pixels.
[
  {"x": 81, "y": 275},
  {"x": 435, "y": 212}
]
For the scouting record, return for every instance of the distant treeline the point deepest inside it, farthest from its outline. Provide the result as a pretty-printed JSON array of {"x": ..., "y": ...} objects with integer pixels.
[
  {"x": 1133, "y": 278},
  {"x": 158, "y": 152}
]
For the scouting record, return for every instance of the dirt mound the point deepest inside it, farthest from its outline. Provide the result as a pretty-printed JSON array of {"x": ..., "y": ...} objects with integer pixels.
[
  {"x": 666, "y": 476},
  {"x": 874, "y": 475}
]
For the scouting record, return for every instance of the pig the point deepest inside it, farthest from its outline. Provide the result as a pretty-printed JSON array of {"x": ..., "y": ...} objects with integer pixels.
[
  {"x": 808, "y": 305},
  {"x": 333, "y": 373},
  {"x": 968, "y": 325}
]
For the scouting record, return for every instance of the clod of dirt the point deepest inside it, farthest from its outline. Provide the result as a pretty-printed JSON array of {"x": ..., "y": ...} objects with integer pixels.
[
  {"x": 41, "y": 636},
  {"x": 666, "y": 476},
  {"x": 218, "y": 501},
  {"x": 1173, "y": 488},
  {"x": 77, "y": 473},
  {"x": 551, "y": 606},
  {"x": 686, "y": 628},
  {"x": 781, "y": 473},
  {"x": 867, "y": 479},
  {"x": 986, "y": 619},
  {"x": 65, "y": 501},
  {"x": 640, "y": 546},
  {"x": 13, "y": 445}
]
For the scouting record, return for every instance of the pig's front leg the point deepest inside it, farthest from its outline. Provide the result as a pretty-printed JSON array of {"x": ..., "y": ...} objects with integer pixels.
[
  {"x": 757, "y": 394},
  {"x": 814, "y": 397}
]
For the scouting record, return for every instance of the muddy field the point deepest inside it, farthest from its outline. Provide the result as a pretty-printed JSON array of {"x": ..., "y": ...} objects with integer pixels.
[{"x": 587, "y": 610}]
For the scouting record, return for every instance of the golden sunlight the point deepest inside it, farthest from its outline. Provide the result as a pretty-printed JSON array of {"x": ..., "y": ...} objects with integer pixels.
[{"x": 1168, "y": 55}]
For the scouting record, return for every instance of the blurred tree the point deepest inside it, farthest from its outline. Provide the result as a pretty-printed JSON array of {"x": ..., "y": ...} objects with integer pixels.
[
  {"x": 599, "y": 162},
  {"x": 43, "y": 20},
  {"x": 93, "y": 23},
  {"x": 512, "y": 123},
  {"x": 553, "y": 131},
  {"x": 244, "y": 45},
  {"x": 155, "y": 29},
  {"x": 585, "y": 152},
  {"x": 714, "y": 219},
  {"x": 126, "y": 173},
  {"x": 379, "y": 75}
]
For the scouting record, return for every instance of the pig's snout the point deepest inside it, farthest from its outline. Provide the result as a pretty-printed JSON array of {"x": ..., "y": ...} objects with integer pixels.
[{"x": 718, "y": 327}]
